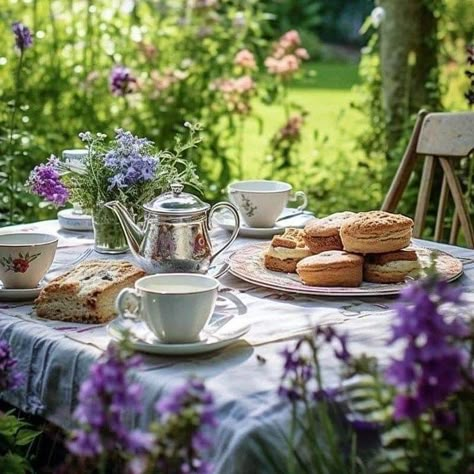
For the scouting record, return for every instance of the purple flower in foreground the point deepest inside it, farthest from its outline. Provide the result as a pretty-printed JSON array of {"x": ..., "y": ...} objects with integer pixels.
[
  {"x": 121, "y": 81},
  {"x": 184, "y": 415},
  {"x": 429, "y": 369},
  {"x": 103, "y": 399},
  {"x": 298, "y": 379},
  {"x": 23, "y": 39},
  {"x": 131, "y": 160},
  {"x": 10, "y": 378},
  {"x": 45, "y": 181},
  {"x": 297, "y": 371}
]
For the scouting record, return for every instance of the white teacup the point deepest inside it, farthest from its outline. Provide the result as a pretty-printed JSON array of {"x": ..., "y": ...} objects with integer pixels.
[
  {"x": 174, "y": 306},
  {"x": 25, "y": 258},
  {"x": 260, "y": 202}
]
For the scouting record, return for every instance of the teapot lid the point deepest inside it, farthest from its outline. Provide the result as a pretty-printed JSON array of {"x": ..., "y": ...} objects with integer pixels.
[{"x": 175, "y": 202}]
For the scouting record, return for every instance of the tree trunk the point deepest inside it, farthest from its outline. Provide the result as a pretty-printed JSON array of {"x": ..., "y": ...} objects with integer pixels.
[{"x": 408, "y": 56}]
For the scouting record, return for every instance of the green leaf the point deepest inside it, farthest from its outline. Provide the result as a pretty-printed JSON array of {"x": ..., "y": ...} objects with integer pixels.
[
  {"x": 12, "y": 463},
  {"x": 26, "y": 436}
]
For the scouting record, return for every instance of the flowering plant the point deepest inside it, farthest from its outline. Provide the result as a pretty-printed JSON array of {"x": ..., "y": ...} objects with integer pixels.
[
  {"x": 128, "y": 169},
  {"x": 174, "y": 443},
  {"x": 415, "y": 415},
  {"x": 16, "y": 435}
]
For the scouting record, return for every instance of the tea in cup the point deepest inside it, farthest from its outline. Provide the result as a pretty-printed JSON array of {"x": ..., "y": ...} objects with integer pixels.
[
  {"x": 25, "y": 258},
  {"x": 260, "y": 202},
  {"x": 174, "y": 306}
]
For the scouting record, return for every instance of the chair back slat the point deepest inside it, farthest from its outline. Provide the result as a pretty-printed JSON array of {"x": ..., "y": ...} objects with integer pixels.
[
  {"x": 447, "y": 134},
  {"x": 440, "y": 139}
]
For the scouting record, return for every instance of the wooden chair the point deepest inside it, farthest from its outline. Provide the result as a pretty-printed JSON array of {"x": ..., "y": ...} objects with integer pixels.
[{"x": 442, "y": 138}]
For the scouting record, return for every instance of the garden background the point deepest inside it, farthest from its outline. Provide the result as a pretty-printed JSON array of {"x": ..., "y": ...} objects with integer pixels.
[{"x": 321, "y": 122}]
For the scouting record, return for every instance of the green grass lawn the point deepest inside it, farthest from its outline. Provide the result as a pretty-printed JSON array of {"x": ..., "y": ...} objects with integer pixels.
[{"x": 325, "y": 92}]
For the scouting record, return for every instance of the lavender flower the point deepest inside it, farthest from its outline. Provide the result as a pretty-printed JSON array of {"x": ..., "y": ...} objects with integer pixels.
[
  {"x": 430, "y": 367},
  {"x": 131, "y": 160},
  {"x": 297, "y": 371},
  {"x": 44, "y": 181},
  {"x": 103, "y": 399},
  {"x": 10, "y": 378},
  {"x": 23, "y": 39},
  {"x": 184, "y": 415},
  {"x": 121, "y": 81}
]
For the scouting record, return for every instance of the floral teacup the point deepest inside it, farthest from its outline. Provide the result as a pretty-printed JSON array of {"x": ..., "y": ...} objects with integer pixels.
[
  {"x": 25, "y": 258},
  {"x": 260, "y": 202}
]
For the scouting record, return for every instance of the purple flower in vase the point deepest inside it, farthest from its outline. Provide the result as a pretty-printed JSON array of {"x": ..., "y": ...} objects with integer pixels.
[
  {"x": 121, "y": 81},
  {"x": 23, "y": 39},
  {"x": 429, "y": 369},
  {"x": 131, "y": 160},
  {"x": 45, "y": 182},
  {"x": 104, "y": 397},
  {"x": 10, "y": 378}
]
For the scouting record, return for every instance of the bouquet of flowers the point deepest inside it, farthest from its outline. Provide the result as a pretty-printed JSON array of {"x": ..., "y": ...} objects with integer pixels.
[{"x": 128, "y": 169}]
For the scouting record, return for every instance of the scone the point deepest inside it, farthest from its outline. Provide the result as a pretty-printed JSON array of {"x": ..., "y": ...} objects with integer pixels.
[
  {"x": 323, "y": 234},
  {"x": 332, "y": 268},
  {"x": 87, "y": 293},
  {"x": 392, "y": 267},
  {"x": 285, "y": 251},
  {"x": 376, "y": 232}
]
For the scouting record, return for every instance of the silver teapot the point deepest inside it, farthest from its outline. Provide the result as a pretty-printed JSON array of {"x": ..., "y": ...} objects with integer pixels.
[{"x": 175, "y": 235}]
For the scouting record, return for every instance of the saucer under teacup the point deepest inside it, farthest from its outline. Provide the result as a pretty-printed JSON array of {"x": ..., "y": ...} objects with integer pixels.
[
  {"x": 298, "y": 221},
  {"x": 143, "y": 340},
  {"x": 19, "y": 294}
]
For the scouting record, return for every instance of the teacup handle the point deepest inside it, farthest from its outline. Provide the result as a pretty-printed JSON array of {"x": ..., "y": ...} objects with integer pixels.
[
  {"x": 300, "y": 195},
  {"x": 121, "y": 303},
  {"x": 235, "y": 233}
]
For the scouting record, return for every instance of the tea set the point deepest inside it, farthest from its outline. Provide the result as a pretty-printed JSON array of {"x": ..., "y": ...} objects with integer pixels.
[{"x": 172, "y": 307}]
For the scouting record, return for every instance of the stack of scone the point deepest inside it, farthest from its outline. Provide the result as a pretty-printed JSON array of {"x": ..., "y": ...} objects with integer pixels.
[{"x": 348, "y": 248}]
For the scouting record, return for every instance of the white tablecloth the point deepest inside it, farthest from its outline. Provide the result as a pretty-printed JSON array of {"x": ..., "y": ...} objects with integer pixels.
[{"x": 56, "y": 356}]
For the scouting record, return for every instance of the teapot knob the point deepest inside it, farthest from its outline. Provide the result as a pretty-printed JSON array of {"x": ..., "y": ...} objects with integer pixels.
[{"x": 177, "y": 188}]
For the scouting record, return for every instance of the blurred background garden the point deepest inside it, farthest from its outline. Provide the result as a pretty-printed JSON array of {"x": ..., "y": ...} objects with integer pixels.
[{"x": 285, "y": 89}]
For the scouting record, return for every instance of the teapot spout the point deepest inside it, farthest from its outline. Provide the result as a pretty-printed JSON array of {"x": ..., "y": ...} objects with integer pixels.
[{"x": 133, "y": 233}]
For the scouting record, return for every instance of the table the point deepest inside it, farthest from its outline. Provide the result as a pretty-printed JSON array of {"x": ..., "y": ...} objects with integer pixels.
[{"x": 56, "y": 356}]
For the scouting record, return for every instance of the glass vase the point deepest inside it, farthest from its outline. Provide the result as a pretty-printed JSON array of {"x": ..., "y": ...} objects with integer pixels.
[{"x": 108, "y": 235}]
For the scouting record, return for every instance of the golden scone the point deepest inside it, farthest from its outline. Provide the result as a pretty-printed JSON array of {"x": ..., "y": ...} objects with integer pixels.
[
  {"x": 376, "y": 232},
  {"x": 323, "y": 234},
  {"x": 392, "y": 267},
  {"x": 331, "y": 268},
  {"x": 285, "y": 251}
]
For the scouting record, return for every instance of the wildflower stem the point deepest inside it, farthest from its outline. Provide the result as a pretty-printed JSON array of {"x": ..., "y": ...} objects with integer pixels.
[{"x": 11, "y": 181}]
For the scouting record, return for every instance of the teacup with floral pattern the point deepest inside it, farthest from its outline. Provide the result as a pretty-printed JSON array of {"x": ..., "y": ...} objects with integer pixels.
[
  {"x": 260, "y": 202},
  {"x": 25, "y": 258}
]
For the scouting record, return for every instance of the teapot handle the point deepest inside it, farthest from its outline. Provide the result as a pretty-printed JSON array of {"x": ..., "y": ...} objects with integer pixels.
[{"x": 235, "y": 213}]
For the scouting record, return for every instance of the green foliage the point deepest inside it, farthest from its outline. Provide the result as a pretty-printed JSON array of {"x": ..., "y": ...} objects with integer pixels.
[
  {"x": 444, "y": 89},
  {"x": 15, "y": 438}
]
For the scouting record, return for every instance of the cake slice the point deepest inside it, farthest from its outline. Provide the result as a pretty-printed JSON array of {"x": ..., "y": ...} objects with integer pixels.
[
  {"x": 87, "y": 293},
  {"x": 285, "y": 251}
]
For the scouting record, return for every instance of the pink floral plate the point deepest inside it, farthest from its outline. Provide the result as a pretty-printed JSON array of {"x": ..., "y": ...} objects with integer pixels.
[{"x": 247, "y": 264}]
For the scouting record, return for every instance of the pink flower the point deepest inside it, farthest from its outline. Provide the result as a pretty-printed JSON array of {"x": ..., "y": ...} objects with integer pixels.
[
  {"x": 302, "y": 53},
  {"x": 236, "y": 92},
  {"x": 284, "y": 67},
  {"x": 245, "y": 59},
  {"x": 244, "y": 84},
  {"x": 290, "y": 39}
]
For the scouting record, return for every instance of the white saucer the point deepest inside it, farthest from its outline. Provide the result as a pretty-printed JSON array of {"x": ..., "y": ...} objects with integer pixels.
[
  {"x": 224, "y": 219},
  {"x": 144, "y": 340},
  {"x": 18, "y": 294},
  {"x": 70, "y": 220}
]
